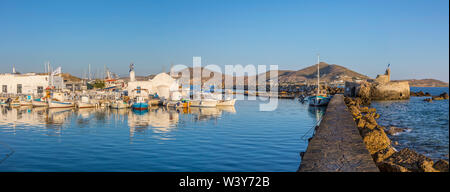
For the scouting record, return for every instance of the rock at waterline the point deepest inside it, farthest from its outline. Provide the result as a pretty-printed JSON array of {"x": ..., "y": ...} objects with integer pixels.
[
  {"x": 429, "y": 100},
  {"x": 407, "y": 160},
  {"x": 441, "y": 165},
  {"x": 395, "y": 130},
  {"x": 440, "y": 97}
]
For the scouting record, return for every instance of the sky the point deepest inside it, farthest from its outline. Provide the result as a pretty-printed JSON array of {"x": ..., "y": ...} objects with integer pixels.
[{"x": 362, "y": 35}]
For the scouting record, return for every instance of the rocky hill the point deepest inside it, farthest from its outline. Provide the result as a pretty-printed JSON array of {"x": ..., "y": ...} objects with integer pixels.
[{"x": 328, "y": 73}]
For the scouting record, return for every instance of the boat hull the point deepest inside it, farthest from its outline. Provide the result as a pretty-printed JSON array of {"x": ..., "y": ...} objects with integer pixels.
[
  {"x": 204, "y": 103},
  {"x": 85, "y": 105},
  {"x": 119, "y": 105},
  {"x": 318, "y": 100},
  {"x": 57, "y": 104},
  {"x": 39, "y": 103},
  {"x": 140, "y": 106},
  {"x": 230, "y": 102}
]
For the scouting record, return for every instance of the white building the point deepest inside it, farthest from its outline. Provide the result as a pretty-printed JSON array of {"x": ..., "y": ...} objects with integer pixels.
[
  {"x": 28, "y": 84},
  {"x": 162, "y": 84}
]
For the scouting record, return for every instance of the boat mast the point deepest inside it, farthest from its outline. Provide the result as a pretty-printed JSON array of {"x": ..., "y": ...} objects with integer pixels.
[{"x": 318, "y": 74}]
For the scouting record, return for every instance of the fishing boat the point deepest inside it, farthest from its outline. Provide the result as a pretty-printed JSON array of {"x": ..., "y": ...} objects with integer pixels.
[
  {"x": 202, "y": 99},
  {"x": 119, "y": 104},
  {"x": 14, "y": 103},
  {"x": 204, "y": 103},
  {"x": 320, "y": 98},
  {"x": 226, "y": 102},
  {"x": 174, "y": 104},
  {"x": 3, "y": 102},
  {"x": 60, "y": 104},
  {"x": 85, "y": 103},
  {"x": 26, "y": 101},
  {"x": 39, "y": 102},
  {"x": 58, "y": 100},
  {"x": 140, "y": 104},
  {"x": 222, "y": 101}
]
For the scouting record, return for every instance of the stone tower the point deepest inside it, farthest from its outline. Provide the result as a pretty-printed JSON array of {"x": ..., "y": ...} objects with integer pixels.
[{"x": 388, "y": 74}]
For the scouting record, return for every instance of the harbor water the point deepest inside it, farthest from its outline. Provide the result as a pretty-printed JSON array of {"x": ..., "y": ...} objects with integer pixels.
[
  {"x": 427, "y": 124},
  {"x": 239, "y": 138}
]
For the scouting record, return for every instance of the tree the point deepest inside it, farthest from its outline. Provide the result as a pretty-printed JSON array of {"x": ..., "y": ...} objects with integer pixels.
[{"x": 99, "y": 84}]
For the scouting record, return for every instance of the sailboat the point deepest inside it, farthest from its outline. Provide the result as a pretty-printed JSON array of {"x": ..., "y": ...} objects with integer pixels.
[{"x": 320, "y": 98}]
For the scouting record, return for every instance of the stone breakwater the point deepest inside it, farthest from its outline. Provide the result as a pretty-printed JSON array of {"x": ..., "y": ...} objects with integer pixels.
[
  {"x": 380, "y": 147},
  {"x": 337, "y": 145}
]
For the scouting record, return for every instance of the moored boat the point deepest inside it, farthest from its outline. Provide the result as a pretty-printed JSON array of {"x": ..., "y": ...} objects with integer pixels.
[
  {"x": 60, "y": 104},
  {"x": 226, "y": 102},
  {"x": 140, "y": 104},
  {"x": 204, "y": 103},
  {"x": 174, "y": 104},
  {"x": 39, "y": 102},
  {"x": 320, "y": 98},
  {"x": 14, "y": 103},
  {"x": 85, "y": 103},
  {"x": 119, "y": 104}
]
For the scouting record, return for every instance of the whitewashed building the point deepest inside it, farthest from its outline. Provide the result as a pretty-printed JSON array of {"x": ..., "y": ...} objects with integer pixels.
[
  {"x": 28, "y": 84},
  {"x": 162, "y": 84}
]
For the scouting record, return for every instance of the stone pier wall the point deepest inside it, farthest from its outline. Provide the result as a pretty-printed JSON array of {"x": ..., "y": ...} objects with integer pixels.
[{"x": 337, "y": 145}]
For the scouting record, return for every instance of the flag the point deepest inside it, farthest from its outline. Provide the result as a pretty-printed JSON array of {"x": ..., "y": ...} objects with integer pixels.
[{"x": 57, "y": 71}]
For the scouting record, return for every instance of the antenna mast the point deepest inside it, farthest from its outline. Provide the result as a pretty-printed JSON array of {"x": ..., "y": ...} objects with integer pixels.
[{"x": 318, "y": 74}]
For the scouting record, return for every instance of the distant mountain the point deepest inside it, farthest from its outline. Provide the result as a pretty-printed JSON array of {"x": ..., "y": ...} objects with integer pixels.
[
  {"x": 425, "y": 83},
  {"x": 328, "y": 73}
]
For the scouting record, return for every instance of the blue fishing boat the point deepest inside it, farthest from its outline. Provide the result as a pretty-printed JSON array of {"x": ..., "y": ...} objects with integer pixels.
[
  {"x": 320, "y": 98},
  {"x": 140, "y": 104}
]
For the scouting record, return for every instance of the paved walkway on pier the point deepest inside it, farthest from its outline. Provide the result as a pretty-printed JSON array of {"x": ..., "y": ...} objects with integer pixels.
[{"x": 337, "y": 145}]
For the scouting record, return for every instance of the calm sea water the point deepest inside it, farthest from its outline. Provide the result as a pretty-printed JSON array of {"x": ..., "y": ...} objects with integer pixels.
[
  {"x": 428, "y": 122},
  {"x": 239, "y": 138}
]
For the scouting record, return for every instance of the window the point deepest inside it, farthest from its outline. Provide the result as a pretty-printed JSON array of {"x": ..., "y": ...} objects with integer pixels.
[
  {"x": 40, "y": 89},
  {"x": 19, "y": 88},
  {"x": 4, "y": 89}
]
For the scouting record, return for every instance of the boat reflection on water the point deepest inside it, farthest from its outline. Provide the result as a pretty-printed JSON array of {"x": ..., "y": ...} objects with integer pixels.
[
  {"x": 316, "y": 112},
  {"x": 159, "y": 120}
]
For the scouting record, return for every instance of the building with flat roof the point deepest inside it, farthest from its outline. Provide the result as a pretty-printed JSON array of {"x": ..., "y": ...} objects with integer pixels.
[{"x": 28, "y": 84}]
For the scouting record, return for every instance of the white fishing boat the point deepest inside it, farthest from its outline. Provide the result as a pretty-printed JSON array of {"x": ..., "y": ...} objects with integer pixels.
[
  {"x": 320, "y": 98},
  {"x": 174, "y": 104},
  {"x": 204, "y": 103},
  {"x": 59, "y": 100},
  {"x": 85, "y": 103},
  {"x": 230, "y": 102},
  {"x": 119, "y": 104},
  {"x": 25, "y": 103},
  {"x": 40, "y": 102},
  {"x": 60, "y": 104}
]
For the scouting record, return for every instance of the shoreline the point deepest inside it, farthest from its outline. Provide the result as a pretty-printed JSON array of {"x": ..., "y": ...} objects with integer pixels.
[{"x": 380, "y": 146}]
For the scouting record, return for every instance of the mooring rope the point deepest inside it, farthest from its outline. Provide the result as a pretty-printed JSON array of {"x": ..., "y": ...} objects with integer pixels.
[
  {"x": 7, "y": 155},
  {"x": 313, "y": 127}
]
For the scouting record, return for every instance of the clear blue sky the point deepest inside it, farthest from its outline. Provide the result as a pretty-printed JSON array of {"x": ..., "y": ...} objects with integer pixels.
[{"x": 361, "y": 35}]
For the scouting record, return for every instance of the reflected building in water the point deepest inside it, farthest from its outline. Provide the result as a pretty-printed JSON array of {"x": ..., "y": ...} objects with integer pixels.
[
  {"x": 164, "y": 120},
  {"x": 160, "y": 120}
]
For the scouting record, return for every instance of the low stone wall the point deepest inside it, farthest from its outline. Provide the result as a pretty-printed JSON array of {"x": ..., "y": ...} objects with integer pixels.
[{"x": 337, "y": 145}]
